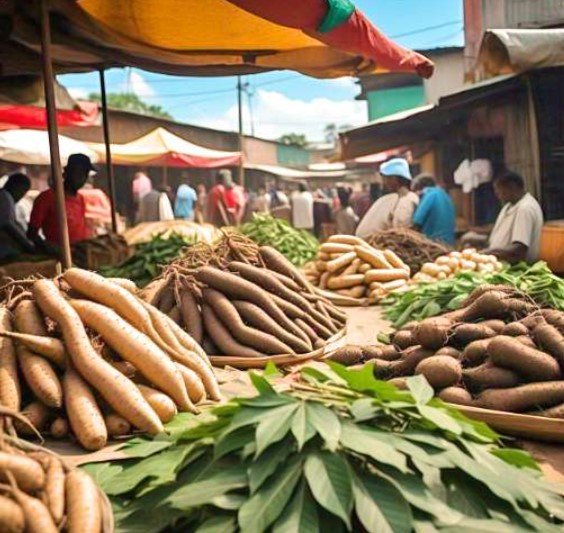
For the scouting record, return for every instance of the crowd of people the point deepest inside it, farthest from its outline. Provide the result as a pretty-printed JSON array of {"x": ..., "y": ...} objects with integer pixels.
[{"x": 419, "y": 203}]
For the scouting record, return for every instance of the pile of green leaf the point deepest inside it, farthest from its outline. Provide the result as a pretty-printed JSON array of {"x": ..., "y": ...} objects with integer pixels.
[
  {"x": 337, "y": 450},
  {"x": 298, "y": 245},
  {"x": 430, "y": 299},
  {"x": 150, "y": 257}
]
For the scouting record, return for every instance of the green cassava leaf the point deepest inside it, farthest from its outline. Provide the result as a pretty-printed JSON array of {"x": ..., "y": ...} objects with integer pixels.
[
  {"x": 301, "y": 427},
  {"x": 143, "y": 447},
  {"x": 267, "y": 463},
  {"x": 515, "y": 457},
  {"x": 325, "y": 422},
  {"x": 103, "y": 473},
  {"x": 440, "y": 418},
  {"x": 218, "y": 524},
  {"x": 368, "y": 511},
  {"x": 300, "y": 515},
  {"x": 420, "y": 389},
  {"x": 203, "y": 491},
  {"x": 261, "y": 384},
  {"x": 160, "y": 468},
  {"x": 265, "y": 506},
  {"x": 274, "y": 427},
  {"x": 372, "y": 443},
  {"x": 329, "y": 480},
  {"x": 234, "y": 440},
  {"x": 392, "y": 506},
  {"x": 270, "y": 371},
  {"x": 416, "y": 493},
  {"x": 363, "y": 380}
]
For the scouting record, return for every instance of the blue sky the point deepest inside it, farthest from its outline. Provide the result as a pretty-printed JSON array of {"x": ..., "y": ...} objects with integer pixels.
[{"x": 285, "y": 101}]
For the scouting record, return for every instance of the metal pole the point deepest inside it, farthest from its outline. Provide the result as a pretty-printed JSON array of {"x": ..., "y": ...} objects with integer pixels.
[
  {"x": 109, "y": 166},
  {"x": 51, "y": 107},
  {"x": 241, "y": 137}
]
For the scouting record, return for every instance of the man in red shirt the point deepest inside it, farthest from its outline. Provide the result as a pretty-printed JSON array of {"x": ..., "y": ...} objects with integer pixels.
[
  {"x": 216, "y": 200},
  {"x": 44, "y": 214}
]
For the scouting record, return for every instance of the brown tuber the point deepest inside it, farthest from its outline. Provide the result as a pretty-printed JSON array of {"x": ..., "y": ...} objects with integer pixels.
[
  {"x": 440, "y": 371},
  {"x": 456, "y": 395},
  {"x": 489, "y": 376},
  {"x": 433, "y": 332},
  {"x": 523, "y": 398}
]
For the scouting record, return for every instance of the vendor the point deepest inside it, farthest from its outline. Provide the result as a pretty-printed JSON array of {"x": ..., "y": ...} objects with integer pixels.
[
  {"x": 44, "y": 212},
  {"x": 13, "y": 240},
  {"x": 395, "y": 209},
  {"x": 435, "y": 215},
  {"x": 516, "y": 234}
]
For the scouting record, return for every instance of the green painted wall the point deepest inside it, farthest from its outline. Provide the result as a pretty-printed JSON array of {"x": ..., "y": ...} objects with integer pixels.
[
  {"x": 388, "y": 101},
  {"x": 293, "y": 156}
]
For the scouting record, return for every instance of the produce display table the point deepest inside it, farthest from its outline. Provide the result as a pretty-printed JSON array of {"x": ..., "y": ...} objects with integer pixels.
[{"x": 364, "y": 324}]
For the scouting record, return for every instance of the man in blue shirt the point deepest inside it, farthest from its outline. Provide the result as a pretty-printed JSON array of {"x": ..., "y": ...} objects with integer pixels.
[
  {"x": 435, "y": 215},
  {"x": 184, "y": 205}
]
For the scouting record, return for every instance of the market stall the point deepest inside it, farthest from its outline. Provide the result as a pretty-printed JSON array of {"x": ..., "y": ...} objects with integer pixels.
[{"x": 303, "y": 444}]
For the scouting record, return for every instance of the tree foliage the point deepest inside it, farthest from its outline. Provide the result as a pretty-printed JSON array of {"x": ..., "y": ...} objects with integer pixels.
[
  {"x": 297, "y": 139},
  {"x": 131, "y": 102}
]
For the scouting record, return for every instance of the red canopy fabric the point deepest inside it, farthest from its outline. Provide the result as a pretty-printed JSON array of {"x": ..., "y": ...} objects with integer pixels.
[
  {"x": 32, "y": 117},
  {"x": 351, "y": 32}
]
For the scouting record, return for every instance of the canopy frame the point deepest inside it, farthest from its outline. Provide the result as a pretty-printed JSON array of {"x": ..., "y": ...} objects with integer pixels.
[{"x": 53, "y": 132}]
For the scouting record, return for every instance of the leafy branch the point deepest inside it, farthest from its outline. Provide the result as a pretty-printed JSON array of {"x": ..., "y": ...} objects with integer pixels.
[{"x": 334, "y": 450}]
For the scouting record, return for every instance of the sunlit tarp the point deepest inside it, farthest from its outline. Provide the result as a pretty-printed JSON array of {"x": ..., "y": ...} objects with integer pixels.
[
  {"x": 162, "y": 148},
  {"x": 31, "y": 147},
  {"x": 510, "y": 51},
  {"x": 321, "y": 38}
]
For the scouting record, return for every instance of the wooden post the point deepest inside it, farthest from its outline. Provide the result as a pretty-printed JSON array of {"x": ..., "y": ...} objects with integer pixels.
[
  {"x": 51, "y": 107},
  {"x": 241, "y": 136},
  {"x": 109, "y": 166}
]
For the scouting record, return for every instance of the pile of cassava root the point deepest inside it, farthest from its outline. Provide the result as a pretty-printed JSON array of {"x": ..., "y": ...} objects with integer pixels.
[
  {"x": 351, "y": 267},
  {"x": 245, "y": 301},
  {"x": 39, "y": 493},
  {"x": 85, "y": 356},
  {"x": 497, "y": 352}
]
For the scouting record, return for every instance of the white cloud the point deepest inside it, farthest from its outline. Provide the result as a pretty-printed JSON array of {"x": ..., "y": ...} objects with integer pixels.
[
  {"x": 78, "y": 93},
  {"x": 347, "y": 82},
  {"x": 137, "y": 84},
  {"x": 275, "y": 114}
]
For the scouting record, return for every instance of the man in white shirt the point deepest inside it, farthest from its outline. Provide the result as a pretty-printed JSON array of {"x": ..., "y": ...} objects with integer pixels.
[
  {"x": 393, "y": 210},
  {"x": 517, "y": 230},
  {"x": 302, "y": 208}
]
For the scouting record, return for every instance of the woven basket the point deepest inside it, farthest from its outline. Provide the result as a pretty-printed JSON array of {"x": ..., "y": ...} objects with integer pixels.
[{"x": 278, "y": 360}]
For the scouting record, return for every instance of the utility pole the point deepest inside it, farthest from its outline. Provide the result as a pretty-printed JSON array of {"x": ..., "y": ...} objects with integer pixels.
[{"x": 241, "y": 137}]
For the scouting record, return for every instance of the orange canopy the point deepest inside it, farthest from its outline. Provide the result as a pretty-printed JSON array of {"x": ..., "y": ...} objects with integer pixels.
[{"x": 321, "y": 38}]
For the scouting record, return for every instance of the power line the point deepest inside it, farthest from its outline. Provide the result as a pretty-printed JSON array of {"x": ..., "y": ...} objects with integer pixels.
[{"x": 428, "y": 28}]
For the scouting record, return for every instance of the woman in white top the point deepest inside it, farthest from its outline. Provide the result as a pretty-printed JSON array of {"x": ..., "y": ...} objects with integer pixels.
[{"x": 393, "y": 210}]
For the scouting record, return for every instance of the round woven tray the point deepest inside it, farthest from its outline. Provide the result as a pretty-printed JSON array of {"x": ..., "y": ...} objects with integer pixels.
[
  {"x": 278, "y": 360},
  {"x": 518, "y": 425}
]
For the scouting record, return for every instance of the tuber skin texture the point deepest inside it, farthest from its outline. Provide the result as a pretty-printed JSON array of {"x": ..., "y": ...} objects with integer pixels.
[
  {"x": 489, "y": 376},
  {"x": 440, "y": 371},
  {"x": 450, "y": 351},
  {"x": 403, "y": 339},
  {"x": 456, "y": 395},
  {"x": 433, "y": 333},
  {"x": 551, "y": 340},
  {"x": 515, "y": 329},
  {"x": 347, "y": 355},
  {"x": 464, "y": 334},
  {"x": 476, "y": 352},
  {"x": 523, "y": 398},
  {"x": 530, "y": 363}
]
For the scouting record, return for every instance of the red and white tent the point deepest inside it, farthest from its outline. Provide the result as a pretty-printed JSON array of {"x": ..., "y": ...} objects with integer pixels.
[{"x": 161, "y": 148}]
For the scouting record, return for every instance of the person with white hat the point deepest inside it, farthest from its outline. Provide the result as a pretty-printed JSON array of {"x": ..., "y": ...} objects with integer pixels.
[{"x": 395, "y": 209}]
